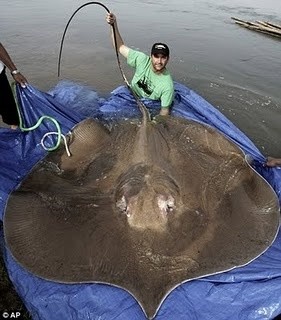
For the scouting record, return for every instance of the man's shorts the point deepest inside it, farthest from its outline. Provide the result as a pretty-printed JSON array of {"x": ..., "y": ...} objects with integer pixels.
[{"x": 8, "y": 108}]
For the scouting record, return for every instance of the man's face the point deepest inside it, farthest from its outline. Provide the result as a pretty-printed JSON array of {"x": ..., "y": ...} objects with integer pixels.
[{"x": 159, "y": 62}]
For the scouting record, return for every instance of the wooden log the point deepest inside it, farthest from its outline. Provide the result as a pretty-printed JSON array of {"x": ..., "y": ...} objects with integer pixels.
[
  {"x": 258, "y": 24},
  {"x": 274, "y": 25},
  {"x": 266, "y": 24},
  {"x": 242, "y": 21},
  {"x": 258, "y": 27}
]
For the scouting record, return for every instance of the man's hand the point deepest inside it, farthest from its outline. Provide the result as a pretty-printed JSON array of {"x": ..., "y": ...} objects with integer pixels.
[
  {"x": 19, "y": 78},
  {"x": 158, "y": 119},
  {"x": 110, "y": 18}
]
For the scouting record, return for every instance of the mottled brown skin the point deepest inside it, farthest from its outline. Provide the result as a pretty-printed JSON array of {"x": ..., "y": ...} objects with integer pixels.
[{"x": 145, "y": 206}]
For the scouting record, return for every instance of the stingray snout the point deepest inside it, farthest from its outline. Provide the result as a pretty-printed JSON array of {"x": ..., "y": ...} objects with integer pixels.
[
  {"x": 148, "y": 196},
  {"x": 147, "y": 209}
]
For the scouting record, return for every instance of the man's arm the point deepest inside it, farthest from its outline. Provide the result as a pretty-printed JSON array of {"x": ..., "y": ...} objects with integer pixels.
[
  {"x": 121, "y": 47},
  {"x": 6, "y": 59},
  {"x": 167, "y": 98}
]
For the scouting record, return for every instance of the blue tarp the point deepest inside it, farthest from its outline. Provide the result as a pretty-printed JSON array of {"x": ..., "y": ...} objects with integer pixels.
[{"x": 249, "y": 292}]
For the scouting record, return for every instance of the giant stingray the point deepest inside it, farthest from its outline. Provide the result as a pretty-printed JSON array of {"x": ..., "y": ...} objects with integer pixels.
[{"x": 145, "y": 206}]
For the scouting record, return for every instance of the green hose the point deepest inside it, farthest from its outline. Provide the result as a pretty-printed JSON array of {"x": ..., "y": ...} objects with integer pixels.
[{"x": 40, "y": 120}]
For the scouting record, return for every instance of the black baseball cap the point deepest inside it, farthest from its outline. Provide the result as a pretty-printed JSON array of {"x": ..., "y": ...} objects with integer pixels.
[{"x": 161, "y": 48}]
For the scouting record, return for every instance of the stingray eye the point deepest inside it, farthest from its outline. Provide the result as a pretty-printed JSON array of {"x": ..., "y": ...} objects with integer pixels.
[
  {"x": 170, "y": 204},
  {"x": 121, "y": 204}
]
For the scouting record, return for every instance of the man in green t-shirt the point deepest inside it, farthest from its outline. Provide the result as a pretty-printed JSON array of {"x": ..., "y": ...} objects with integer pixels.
[{"x": 151, "y": 79}]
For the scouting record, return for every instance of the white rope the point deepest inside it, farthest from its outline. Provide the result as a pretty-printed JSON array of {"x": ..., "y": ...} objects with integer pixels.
[{"x": 56, "y": 133}]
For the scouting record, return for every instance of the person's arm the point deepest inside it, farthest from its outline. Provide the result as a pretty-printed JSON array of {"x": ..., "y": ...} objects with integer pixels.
[
  {"x": 6, "y": 59},
  {"x": 273, "y": 162},
  {"x": 121, "y": 47},
  {"x": 167, "y": 98}
]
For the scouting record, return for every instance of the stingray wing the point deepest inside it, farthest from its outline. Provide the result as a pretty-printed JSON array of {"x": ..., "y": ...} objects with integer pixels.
[
  {"x": 231, "y": 212},
  {"x": 51, "y": 220}
]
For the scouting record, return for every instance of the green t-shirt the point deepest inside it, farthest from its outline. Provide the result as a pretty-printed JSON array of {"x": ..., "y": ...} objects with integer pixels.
[{"x": 148, "y": 84}]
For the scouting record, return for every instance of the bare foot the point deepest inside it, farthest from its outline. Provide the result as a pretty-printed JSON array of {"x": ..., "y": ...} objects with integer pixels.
[{"x": 14, "y": 127}]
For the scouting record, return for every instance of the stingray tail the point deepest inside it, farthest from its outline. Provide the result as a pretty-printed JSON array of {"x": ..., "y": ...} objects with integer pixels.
[{"x": 145, "y": 113}]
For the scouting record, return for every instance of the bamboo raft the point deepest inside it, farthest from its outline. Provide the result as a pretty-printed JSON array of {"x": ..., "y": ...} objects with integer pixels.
[{"x": 261, "y": 26}]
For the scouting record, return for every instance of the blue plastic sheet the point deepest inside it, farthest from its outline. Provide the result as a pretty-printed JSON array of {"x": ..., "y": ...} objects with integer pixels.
[{"x": 249, "y": 292}]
